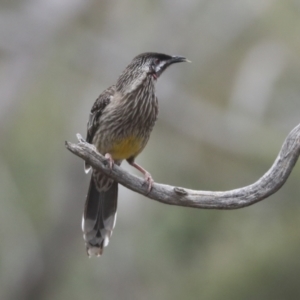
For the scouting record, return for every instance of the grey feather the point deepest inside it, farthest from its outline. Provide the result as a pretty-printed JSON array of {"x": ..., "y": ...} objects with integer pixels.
[{"x": 99, "y": 217}]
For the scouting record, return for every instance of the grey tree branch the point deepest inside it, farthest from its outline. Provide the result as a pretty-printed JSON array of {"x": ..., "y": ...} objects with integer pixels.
[{"x": 265, "y": 186}]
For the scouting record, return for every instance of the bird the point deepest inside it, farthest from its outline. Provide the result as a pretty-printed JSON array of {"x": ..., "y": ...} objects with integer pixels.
[{"x": 119, "y": 126}]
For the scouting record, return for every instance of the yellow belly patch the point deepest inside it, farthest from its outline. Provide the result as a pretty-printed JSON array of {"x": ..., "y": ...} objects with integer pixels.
[{"x": 126, "y": 148}]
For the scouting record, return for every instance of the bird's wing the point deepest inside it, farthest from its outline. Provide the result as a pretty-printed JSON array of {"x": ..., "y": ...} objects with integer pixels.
[
  {"x": 92, "y": 125},
  {"x": 102, "y": 101}
]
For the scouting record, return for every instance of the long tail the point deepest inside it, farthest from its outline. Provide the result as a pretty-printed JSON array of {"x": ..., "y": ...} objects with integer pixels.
[{"x": 99, "y": 217}]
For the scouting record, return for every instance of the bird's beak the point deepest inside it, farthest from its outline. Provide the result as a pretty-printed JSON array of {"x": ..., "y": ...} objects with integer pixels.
[{"x": 178, "y": 59}]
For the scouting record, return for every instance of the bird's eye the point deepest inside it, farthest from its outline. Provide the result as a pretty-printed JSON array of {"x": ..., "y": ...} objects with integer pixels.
[{"x": 156, "y": 61}]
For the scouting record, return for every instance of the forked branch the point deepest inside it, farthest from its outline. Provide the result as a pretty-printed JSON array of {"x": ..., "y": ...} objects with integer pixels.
[{"x": 265, "y": 186}]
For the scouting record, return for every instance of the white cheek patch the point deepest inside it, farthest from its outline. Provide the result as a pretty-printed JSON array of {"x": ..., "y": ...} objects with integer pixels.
[{"x": 159, "y": 66}]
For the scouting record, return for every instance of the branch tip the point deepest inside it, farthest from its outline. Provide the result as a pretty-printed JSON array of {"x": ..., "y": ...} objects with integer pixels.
[{"x": 80, "y": 138}]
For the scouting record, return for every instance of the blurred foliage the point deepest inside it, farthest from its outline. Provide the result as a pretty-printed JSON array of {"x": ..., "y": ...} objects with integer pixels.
[{"x": 222, "y": 121}]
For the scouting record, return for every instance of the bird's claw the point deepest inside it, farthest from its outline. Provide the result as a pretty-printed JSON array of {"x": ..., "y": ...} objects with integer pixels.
[
  {"x": 149, "y": 180},
  {"x": 109, "y": 160}
]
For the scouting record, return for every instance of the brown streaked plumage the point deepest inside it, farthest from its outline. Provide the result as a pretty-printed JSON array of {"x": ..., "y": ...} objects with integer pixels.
[{"x": 119, "y": 125}]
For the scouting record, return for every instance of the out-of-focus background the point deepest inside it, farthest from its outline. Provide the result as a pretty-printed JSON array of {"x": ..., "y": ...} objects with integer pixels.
[{"x": 222, "y": 121}]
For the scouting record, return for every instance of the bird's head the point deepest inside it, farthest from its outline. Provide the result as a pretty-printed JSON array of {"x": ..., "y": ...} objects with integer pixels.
[
  {"x": 150, "y": 65},
  {"x": 155, "y": 63}
]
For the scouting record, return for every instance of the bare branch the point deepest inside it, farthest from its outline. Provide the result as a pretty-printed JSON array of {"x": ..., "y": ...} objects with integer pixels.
[{"x": 265, "y": 186}]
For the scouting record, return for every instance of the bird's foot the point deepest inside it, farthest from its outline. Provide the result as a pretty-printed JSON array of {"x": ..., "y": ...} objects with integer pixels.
[
  {"x": 110, "y": 160},
  {"x": 149, "y": 180}
]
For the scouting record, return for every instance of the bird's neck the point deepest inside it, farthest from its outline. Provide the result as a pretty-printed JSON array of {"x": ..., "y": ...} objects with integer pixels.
[
  {"x": 127, "y": 85},
  {"x": 137, "y": 103}
]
